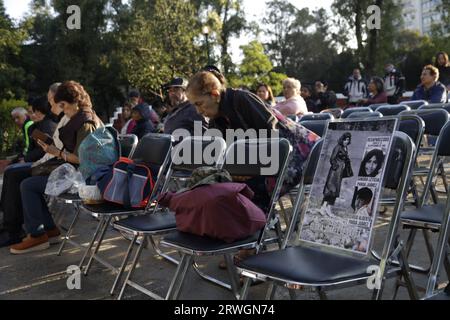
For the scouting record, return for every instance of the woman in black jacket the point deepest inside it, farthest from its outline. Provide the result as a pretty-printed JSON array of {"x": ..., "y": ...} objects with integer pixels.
[{"x": 443, "y": 64}]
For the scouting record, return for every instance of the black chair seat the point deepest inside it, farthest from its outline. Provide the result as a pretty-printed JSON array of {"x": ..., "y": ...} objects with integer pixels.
[
  {"x": 148, "y": 223},
  {"x": 303, "y": 265},
  {"x": 205, "y": 245},
  {"x": 430, "y": 214},
  {"x": 110, "y": 209}
]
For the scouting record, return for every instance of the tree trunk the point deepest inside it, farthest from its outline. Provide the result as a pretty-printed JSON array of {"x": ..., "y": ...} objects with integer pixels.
[{"x": 372, "y": 46}]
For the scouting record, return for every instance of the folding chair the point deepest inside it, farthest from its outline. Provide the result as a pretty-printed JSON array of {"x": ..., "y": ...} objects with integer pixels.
[
  {"x": 393, "y": 110},
  {"x": 364, "y": 115},
  {"x": 374, "y": 107},
  {"x": 414, "y": 105},
  {"x": 317, "y": 116},
  {"x": 127, "y": 145},
  {"x": 154, "y": 151},
  {"x": 312, "y": 266},
  {"x": 189, "y": 245},
  {"x": 445, "y": 106},
  {"x": 429, "y": 218},
  {"x": 160, "y": 221},
  {"x": 336, "y": 112},
  {"x": 316, "y": 126},
  {"x": 353, "y": 110},
  {"x": 435, "y": 120}
]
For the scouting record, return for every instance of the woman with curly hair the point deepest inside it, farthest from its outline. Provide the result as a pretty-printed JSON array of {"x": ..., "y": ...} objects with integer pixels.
[
  {"x": 40, "y": 227},
  {"x": 340, "y": 169}
]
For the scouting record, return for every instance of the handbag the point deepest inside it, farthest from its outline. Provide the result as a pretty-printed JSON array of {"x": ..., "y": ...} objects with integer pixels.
[
  {"x": 130, "y": 185},
  {"x": 46, "y": 168}
]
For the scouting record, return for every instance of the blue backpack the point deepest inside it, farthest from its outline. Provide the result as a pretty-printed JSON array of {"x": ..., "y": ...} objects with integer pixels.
[{"x": 100, "y": 148}]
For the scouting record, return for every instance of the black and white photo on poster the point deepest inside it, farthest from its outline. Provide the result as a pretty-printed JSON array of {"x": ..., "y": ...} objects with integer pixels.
[{"x": 340, "y": 209}]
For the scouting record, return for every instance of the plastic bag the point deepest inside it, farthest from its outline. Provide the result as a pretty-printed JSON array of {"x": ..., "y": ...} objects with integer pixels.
[
  {"x": 64, "y": 179},
  {"x": 90, "y": 194}
]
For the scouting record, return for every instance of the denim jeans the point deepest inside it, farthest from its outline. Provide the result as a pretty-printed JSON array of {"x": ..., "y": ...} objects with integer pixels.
[{"x": 38, "y": 218}]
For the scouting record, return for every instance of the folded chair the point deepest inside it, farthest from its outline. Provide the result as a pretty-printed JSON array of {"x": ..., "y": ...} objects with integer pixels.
[
  {"x": 128, "y": 144},
  {"x": 308, "y": 265},
  {"x": 429, "y": 218},
  {"x": 316, "y": 116},
  {"x": 154, "y": 151},
  {"x": 374, "y": 107},
  {"x": 393, "y": 110},
  {"x": 349, "y": 111},
  {"x": 414, "y": 105},
  {"x": 190, "y": 246},
  {"x": 364, "y": 115},
  {"x": 160, "y": 221}
]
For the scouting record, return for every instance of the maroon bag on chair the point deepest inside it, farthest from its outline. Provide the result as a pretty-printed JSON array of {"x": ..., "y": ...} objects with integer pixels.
[{"x": 222, "y": 211}]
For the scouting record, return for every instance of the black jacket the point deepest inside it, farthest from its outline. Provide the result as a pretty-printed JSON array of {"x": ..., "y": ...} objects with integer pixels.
[
  {"x": 35, "y": 152},
  {"x": 444, "y": 75},
  {"x": 183, "y": 117},
  {"x": 243, "y": 110}
]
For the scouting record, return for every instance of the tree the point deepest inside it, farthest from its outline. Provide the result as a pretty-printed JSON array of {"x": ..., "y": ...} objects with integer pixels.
[
  {"x": 11, "y": 74},
  {"x": 255, "y": 68},
  {"x": 158, "y": 47},
  {"x": 226, "y": 18}
]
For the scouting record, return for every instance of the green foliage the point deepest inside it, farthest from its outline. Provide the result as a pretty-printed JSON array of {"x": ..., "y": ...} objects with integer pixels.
[
  {"x": 255, "y": 68},
  {"x": 9, "y": 133}
]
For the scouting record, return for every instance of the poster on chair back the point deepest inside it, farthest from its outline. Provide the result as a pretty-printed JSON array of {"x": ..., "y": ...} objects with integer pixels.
[{"x": 341, "y": 208}]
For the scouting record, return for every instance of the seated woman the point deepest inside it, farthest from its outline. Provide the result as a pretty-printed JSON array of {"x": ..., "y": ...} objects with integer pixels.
[
  {"x": 377, "y": 94},
  {"x": 264, "y": 91},
  {"x": 144, "y": 125},
  {"x": 294, "y": 105},
  {"x": 10, "y": 199},
  {"x": 39, "y": 224}
]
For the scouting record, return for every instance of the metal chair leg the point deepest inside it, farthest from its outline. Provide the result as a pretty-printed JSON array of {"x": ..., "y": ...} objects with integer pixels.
[
  {"x": 270, "y": 295},
  {"x": 132, "y": 268},
  {"x": 124, "y": 264},
  {"x": 70, "y": 230},
  {"x": 91, "y": 244},
  {"x": 160, "y": 253},
  {"x": 233, "y": 274},
  {"x": 177, "y": 281},
  {"x": 244, "y": 291},
  {"x": 99, "y": 243}
]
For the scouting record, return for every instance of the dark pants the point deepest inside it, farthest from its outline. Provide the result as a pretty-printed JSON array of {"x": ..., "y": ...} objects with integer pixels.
[
  {"x": 11, "y": 199},
  {"x": 38, "y": 218}
]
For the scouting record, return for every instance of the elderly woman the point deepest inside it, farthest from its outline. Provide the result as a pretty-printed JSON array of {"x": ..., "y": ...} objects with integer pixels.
[
  {"x": 340, "y": 169},
  {"x": 377, "y": 94},
  {"x": 77, "y": 107},
  {"x": 294, "y": 105}
]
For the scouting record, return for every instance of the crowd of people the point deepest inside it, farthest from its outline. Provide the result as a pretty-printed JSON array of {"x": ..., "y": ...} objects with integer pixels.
[{"x": 54, "y": 127}]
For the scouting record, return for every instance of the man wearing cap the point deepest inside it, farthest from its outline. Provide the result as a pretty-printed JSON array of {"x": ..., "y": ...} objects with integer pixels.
[{"x": 182, "y": 114}]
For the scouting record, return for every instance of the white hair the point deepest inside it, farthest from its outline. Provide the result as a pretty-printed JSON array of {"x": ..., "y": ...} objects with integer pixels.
[
  {"x": 19, "y": 111},
  {"x": 294, "y": 83}
]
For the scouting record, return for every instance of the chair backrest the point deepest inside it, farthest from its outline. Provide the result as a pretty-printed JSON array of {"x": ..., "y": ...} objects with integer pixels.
[
  {"x": 316, "y": 126},
  {"x": 153, "y": 149},
  {"x": 195, "y": 152},
  {"x": 445, "y": 106},
  {"x": 415, "y": 104},
  {"x": 317, "y": 116},
  {"x": 365, "y": 115},
  {"x": 374, "y": 107},
  {"x": 353, "y": 110},
  {"x": 434, "y": 119},
  {"x": 399, "y": 165},
  {"x": 413, "y": 126},
  {"x": 392, "y": 110},
  {"x": 128, "y": 144},
  {"x": 336, "y": 112}
]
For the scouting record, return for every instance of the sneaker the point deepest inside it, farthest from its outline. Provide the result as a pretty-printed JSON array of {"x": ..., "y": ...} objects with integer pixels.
[
  {"x": 54, "y": 236},
  {"x": 31, "y": 244}
]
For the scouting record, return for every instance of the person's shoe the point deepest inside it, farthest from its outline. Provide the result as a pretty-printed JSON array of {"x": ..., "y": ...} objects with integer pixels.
[
  {"x": 54, "y": 236},
  {"x": 31, "y": 244},
  {"x": 7, "y": 239}
]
